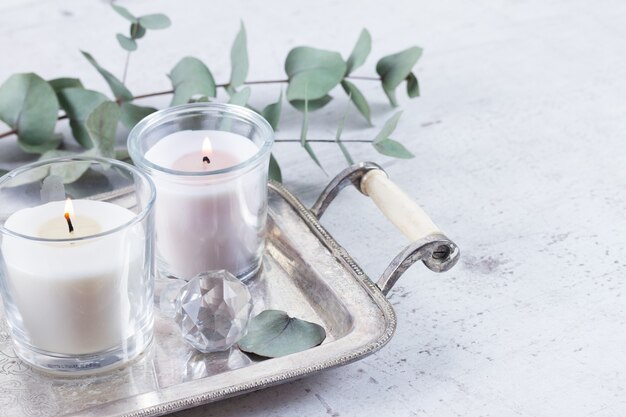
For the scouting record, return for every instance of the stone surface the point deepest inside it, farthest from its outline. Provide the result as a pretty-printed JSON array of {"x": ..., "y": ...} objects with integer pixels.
[
  {"x": 520, "y": 150},
  {"x": 213, "y": 310}
]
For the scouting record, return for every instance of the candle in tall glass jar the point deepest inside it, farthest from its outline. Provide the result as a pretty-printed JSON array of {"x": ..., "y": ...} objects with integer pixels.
[
  {"x": 209, "y": 163},
  {"x": 207, "y": 222}
]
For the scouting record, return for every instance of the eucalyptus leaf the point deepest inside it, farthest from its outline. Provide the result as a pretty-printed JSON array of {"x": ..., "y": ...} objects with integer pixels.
[
  {"x": 312, "y": 72},
  {"x": 78, "y": 103},
  {"x": 241, "y": 97},
  {"x": 198, "y": 98},
  {"x": 388, "y": 128},
  {"x": 393, "y": 148},
  {"x": 117, "y": 87},
  {"x": 132, "y": 114},
  {"x": 102, "y": 127},
  {"x": 190, "y": 77},
  {"x": 303, "y": 135},
  {"x": 387, "y": 146},
  {"x": 122, "y": 11},
  {"x": 122, "y": 154},
  {"x": 126, "y": 43},
  {"x": 59, "y": 84},
  {"x": 412, "y": 86},
  {"x": 239, "y": 59},
  {"x": 155, "y": 21},
  {"x": 360, "y": 52},
  {"x": 273, "y": 334},
  {"x": 39, "y": 173},
  {"x": 137, "y": 31},
  {"x": 271, "y": 112},
  {"x": 358, "y": 99},
  {"x": 393, "y": 69},
  {"x": 343, "y": 148},
  {"x": 69, "y": 172},
  {"x": 29, "y": 105},
  {"x": 311, "y": 104},
  {"x": 275, "y": 172}
]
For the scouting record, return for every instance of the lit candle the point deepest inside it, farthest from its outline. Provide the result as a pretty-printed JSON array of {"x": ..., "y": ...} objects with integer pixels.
[
  {"x": 207, "y": 222},
  {"x": 70, "y": 280}
]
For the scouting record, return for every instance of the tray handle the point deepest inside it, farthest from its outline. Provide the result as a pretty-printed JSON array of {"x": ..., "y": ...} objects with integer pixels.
[{"x": 428, "y": 245}]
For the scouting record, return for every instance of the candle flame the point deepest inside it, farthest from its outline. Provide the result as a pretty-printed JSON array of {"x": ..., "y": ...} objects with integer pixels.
[
  {"x": 207, "y": 148},
  {"x": 69, "y": 208}
]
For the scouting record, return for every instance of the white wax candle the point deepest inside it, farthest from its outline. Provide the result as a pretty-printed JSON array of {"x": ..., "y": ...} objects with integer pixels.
[
  {"x": 73, "y": 296},
  {"x": 208, "y": 222}
]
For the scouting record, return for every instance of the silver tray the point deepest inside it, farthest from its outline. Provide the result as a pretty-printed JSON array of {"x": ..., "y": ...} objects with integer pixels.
[{"x": 305, "y": 273}]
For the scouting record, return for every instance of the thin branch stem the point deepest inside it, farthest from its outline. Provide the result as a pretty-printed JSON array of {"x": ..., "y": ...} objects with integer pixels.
[
  {"x": 14, "y": 131},
  {"x": 323, "y": 140},
  {"x": 126, "y": 68},
  {"x": 224, "y": 85},
  {"x": 357, "y": 77},
  {"x": 166, "y": 92}
]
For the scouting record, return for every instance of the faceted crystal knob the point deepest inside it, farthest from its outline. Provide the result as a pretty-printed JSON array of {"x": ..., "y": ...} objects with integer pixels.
[{"x": 213, "y": 310}]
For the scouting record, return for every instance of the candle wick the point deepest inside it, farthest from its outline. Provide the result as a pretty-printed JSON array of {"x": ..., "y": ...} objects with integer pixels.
[
  {"x": 206, "y": 159},
  {"x": 69, "y": 222}
]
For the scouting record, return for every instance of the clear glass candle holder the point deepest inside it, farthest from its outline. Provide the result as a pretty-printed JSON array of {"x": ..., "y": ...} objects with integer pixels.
[
  {"x": 210, "y": 164},
  {"x": 77, "y": 263}
]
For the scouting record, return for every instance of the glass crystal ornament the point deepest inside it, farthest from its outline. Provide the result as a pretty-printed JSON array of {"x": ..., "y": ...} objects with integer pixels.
[{"x": 213, "y": 311}]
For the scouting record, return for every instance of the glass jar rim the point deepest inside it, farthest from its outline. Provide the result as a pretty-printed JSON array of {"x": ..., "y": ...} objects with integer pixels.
[
  {"x": 158, "y": 117},
  {"x": 138, "y": 217}
]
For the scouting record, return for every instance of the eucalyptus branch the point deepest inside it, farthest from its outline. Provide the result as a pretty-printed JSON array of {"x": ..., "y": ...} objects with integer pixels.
[
  {"x": 31, "y": 105},
  {"x": 168, "y": 92}
]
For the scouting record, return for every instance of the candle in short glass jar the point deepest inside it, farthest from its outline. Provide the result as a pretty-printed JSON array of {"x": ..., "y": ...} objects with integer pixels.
[{"x": 72, "y": 290}]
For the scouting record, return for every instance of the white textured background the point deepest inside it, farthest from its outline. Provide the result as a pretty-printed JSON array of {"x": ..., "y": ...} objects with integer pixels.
[{"x": 520, "y": 143}]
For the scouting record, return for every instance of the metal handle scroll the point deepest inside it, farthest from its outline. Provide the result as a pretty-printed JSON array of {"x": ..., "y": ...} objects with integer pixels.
[{"x": 429, "y": 244}]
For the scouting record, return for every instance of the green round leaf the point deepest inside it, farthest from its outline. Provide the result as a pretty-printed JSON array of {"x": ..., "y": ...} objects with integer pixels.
[
  {"x": 303, "y": 136},
  {"x": 122, "y": 11},
  {"x": 29, "y": 105},
  {"x": 241, "y": 97},
  {"x": 126, "y": 43},
  {"x": 59, "y": 84},
  {"x": 344, "y": 150},
  {"x": 271, "y": 112},
  {"x": 312, "y": 72},
  {"x": 239, "y": 59},
  {"x": 137, "y": 31},
  {"x": 190, "y": 77},
  {"x": 358, "y": 99},
  {"x": 388, "y": 128},
  {"x": 78, "y": 103},
  {"x": 412, "y": 86},
  {"x": 393, "y": 69},
  {"x": 132, "y": 114},
  {"x": 69, "y": 172},
  {"x": 311, "y": 104},
  {"x": 275, "y": 172},
  {"x": 390, "y": 147},
  {"x": 102, "y": 126},
  {"x": 387, "y": 146},
  {"x": 360, "y": 52},
  {"x": 117, "y": 87},
  {"x": 273, "y": 333},
  {"x": 155, "y": 21}
]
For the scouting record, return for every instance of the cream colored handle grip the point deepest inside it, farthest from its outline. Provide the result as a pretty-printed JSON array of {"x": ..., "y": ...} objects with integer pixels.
[{"x": 397, "y": 206}]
